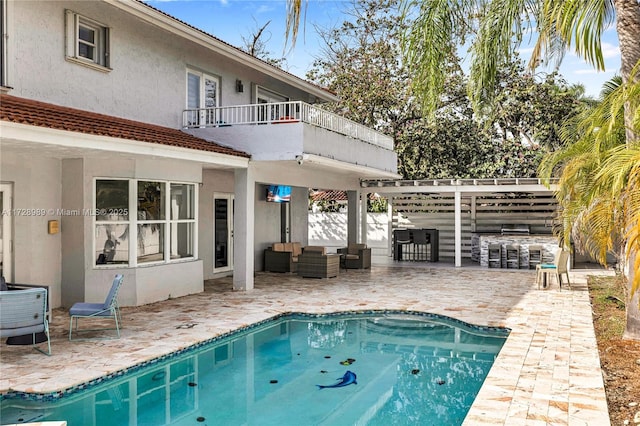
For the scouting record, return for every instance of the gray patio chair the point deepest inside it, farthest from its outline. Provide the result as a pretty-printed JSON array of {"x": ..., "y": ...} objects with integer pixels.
[
  {"x": 106, "y": 310},
  {"x": 24, "y": 312}
]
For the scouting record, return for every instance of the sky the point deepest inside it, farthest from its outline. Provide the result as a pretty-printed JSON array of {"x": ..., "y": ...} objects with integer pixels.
[{"x": 231, "y": 20}]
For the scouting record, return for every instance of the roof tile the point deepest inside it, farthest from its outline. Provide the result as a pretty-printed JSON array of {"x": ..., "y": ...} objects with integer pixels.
[{"x": 36, "y": 113}]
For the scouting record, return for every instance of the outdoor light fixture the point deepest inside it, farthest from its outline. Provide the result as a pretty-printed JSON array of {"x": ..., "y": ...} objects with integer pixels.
[{"x": 239, "y": 86}]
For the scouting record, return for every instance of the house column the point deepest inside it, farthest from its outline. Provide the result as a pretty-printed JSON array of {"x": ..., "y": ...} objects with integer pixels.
[
  {"x": 353, "y": 208},
  {"x": 389, "y": 226},
  {"x": 458, "y": 228},
  {"x": 363, "y": 217},
  {"x": 243, "y": 229}
]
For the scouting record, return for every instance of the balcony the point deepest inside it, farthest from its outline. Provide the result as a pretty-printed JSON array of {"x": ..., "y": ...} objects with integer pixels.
[
  {"x": 282, "y": 113},
  {"x": 285, "y": 130}
]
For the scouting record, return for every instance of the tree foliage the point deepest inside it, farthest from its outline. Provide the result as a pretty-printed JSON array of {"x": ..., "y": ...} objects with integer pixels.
[
  {"x": 362, "y": 64},
  {"x": 495, "y": 29},
  {"x": 255, "y": 44}
]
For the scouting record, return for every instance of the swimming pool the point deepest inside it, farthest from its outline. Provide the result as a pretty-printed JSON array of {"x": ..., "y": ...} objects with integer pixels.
[{"x": 409, "y": 368}]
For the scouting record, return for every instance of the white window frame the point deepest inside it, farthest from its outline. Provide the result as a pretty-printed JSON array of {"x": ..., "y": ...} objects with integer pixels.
[
  {"x": 130, "y": 222},
  {"x": 100, "y": 45},
  {"x": 264, "y": 95},
  {"x": 160, "y": 223},
  {"x": 271, "y": 105},
  {"x": 203, "y": 118},
  {"x": 133, "y": 223}
]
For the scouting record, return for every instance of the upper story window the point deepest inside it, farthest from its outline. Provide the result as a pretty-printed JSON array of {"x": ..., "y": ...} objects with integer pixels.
[
  {"x": 87, "y": 41},
  {"x": 203, "y": 91}
]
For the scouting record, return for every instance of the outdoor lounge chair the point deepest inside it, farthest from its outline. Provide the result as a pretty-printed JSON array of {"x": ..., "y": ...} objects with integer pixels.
[
  {"x": 101, "y": 311},
  {"x": 282, "y": 257},
  {"x": 315, "y": 263},
  {"x": 356, "y": 256},
  {"x": 24, "y": 312},
  {"x": 557, "y": 268}
]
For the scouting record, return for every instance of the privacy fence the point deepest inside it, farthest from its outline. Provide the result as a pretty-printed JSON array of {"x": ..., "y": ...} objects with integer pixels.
[{"x": 479, "y": 213}]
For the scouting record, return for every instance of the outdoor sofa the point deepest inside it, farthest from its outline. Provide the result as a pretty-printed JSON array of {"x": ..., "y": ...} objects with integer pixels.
[
  {"x": 314, "y": 262},
  {"x": 282, "y": 257}
]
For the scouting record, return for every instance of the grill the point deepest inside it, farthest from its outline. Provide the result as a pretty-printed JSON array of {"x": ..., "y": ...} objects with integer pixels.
[{"x": 515, "y": 230}]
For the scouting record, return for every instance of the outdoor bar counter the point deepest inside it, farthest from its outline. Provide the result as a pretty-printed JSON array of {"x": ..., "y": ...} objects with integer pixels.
[
  {"x": 480, "y": 247},
  {"x": 429, "y": 243}
]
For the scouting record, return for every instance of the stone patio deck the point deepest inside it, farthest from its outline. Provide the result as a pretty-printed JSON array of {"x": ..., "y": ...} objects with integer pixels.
[{"x": 548, "y": 371}]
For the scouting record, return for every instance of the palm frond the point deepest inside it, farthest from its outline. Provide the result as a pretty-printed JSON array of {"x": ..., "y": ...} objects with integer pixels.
[
  {"x": 428, "y": 43},
  {"x": 294, "y": 16},
  {"x": 499, "y": 34},
  {"x": 581, "y": 24}
]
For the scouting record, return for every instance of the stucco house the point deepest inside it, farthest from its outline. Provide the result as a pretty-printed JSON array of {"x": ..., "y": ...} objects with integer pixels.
[{"x": 134, "y": 143}]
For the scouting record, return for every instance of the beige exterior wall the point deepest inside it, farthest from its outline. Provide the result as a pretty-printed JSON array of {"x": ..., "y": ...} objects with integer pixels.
[
  {"x": 147, "y": 63},
  {"x": 36, "y": 185}
]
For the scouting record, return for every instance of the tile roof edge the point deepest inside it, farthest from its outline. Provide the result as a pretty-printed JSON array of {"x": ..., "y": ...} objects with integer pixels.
[{"x": 182, "y": 139}]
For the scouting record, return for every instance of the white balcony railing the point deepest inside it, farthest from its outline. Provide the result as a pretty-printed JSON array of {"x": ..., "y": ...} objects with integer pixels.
[{"x": 282, "y": 113}]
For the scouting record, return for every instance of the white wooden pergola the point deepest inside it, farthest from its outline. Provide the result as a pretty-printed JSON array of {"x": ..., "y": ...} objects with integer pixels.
[{"x": 458, "y": 188}]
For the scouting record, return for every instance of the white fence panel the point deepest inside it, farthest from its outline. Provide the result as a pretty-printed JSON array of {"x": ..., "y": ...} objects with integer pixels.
[{"x": 330, "y": 230}]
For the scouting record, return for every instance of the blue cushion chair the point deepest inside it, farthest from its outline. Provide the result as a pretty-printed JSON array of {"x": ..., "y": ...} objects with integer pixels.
[
  {"x": 106, "y": 310},
  {"x": 24, "y": 312}
]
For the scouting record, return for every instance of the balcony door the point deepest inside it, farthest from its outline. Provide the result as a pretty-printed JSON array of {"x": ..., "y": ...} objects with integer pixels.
[
  {"x": 203, "y": 91},
  {"x": 223, "y": 232},
  {"x": 6, "y": 232},
  {"x": 271, "y": 105}
]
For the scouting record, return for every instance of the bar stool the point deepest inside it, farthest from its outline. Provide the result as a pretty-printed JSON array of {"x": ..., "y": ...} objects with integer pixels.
[
  {"x": 513, "y": 256},
  {"x": 535, "y": 256},
  {"x": 495, "y": 256},
  {"x": 401, "y": 237},
  {"x": 420, "y": 242}
]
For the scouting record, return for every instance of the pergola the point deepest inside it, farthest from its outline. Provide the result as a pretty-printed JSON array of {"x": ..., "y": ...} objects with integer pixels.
[{"x": 457, "y": 188}]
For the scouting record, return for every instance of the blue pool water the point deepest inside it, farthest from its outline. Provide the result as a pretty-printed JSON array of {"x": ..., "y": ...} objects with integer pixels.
[{"x": 410, "y": 369}]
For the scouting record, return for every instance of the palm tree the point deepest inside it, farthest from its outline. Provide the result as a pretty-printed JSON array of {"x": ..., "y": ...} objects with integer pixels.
[
  {"x": 600, "y": 184},
  {"x": 496, "y": 28},
  {"x": 598, "y": 179}
]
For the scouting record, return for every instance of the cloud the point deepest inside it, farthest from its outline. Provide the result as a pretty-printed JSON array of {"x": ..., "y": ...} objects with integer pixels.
[
  {"x": 526, "y": 51},
  {"x": 610, "y": 51},
  {"x": 586, "y": 71},
  {"x": 264, "y": 9}
]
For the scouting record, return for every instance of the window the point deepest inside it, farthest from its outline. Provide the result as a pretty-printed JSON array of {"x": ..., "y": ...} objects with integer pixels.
[
  {"x": 182, "y": 222},
  {"x": 203, "y": 91},
  {"x": 112, "y": 222},
  {"x": 87, "y": 41},
  {"x": 151, "y": 218},
  {"x": 162, "y": 227}
]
